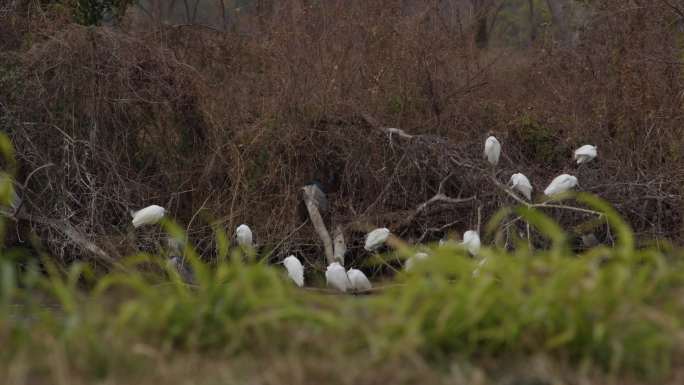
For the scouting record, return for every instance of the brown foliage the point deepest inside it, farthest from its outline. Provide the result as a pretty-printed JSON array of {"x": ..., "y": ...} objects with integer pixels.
[{"x": 234, "y": 123}]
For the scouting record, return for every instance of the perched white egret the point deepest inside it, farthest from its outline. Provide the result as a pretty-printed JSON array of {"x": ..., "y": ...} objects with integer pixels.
[
  {"x": 336, "y": 276},
  {"x": 492, "y": 150},
  {"x": 561, "y": 184},
  {"x": 148, "y": 216},
  {"x": 585, "y": 153},
  {"x": 358, "y": 280},
  {"x": 420, "y": 256},
  {"x": 376, "y": 238},
  {"x": 471, "y": 240},
  {"x": 522, "y": 185},
  {"x": 294, "y": 269},
  {"x": 243, "y": 235}
]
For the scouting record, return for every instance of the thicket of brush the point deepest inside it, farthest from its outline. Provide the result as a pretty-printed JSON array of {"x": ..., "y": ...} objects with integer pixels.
[
  {"x": 616, "y": 311},
  {"x": 233, "y": 123}
]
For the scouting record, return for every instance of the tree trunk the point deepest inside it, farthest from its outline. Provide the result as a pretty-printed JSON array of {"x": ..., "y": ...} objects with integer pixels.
[
  {"x": 533, "y": 24},
  {"x": 559, "y": 17},
  {"x": 482, "y": 36}
]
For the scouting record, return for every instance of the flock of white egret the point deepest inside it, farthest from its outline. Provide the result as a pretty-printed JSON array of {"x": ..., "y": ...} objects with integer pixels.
[{"x": 353, "y": 279}]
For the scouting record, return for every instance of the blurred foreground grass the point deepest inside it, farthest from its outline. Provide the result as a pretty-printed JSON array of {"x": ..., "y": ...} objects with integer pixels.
[
  {"x": 610, "y": 313},
  {"x": 616, "y": 311}
]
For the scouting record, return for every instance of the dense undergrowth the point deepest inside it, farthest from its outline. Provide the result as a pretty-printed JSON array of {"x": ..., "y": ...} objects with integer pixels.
[
  {"x": 614, "y": 310},
  {"x": 234, "y": 122}
]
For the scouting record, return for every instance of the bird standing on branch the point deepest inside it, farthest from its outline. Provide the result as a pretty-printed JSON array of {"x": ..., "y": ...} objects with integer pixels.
[
  {"x": 492, "y": 150},
  {"x": 561, "y": 184},
  {"x": 585, "y": 153},
  {"x": 148, "y": 216},
  {"x": 522, "y": 185},
  {"x": 295, "y": 270},
  {"x": 243, "y": 236}
]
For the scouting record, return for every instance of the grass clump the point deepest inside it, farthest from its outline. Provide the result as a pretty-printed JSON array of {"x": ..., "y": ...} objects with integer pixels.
[{"x": 616, "y": 310}]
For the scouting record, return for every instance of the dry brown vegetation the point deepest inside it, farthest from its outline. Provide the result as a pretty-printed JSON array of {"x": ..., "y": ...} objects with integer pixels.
[{"x": 228, "y": 126}]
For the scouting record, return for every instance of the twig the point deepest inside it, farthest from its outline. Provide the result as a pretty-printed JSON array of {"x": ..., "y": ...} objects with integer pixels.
[
  {"x": 187, "y": 228},
  {"x": 284, "y": 239}
]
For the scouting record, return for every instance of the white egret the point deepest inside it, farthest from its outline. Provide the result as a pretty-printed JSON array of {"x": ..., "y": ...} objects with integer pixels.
[
  {"x": 148, "y": 216},
  {"x": 376, "y": 238},
  {"x": 420, "y": 256},
  {"x": 585, "y": 153},
  {"x": 295, "y": 269},
  {"x": 522, "y": 185},
  {"x": 358, "y": 280},
  {"x": 492, "y": 150},
  {"x": 561, "y": 184},
  {"x": 243, "y": 235},
  {"x": 471, "y": 240},
  {"x": 336, "y": 276}
]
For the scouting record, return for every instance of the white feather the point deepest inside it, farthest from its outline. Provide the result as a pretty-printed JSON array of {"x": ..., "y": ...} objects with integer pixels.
[
  {"x": 243, "y": 235},
  {"x": 561, "y": 184},
  {"x": 492, "y": 150},
  {"x": 522, "y": 185},
  {"x": 295, "y": 270},
  {"x": 148, "y": 216},
  {"x": 358, "y": 280},
  {"x": 471, "y": 240},
  {"x": 585, "y": 153},
  {"x": 415, "y": 259},
  {"x": 336, "y": 277},
  {"x": 376, "y": 238}
]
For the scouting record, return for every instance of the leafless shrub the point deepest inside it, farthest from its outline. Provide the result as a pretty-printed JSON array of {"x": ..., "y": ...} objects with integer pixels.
[{"x": 229, "y": 125}]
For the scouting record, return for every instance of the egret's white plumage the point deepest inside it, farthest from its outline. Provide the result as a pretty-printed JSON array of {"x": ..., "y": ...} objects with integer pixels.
[
  {"x": 522, "y": 185},
  {"x": 358, "y": 280},
  {"x": 420, "y": 256},
  {"x": 295, "y": 269},
  {"x": 376, "y": 238},
  {"x": 243, "y": 235},
  {"x": 336, "y": 276},
  {"x": 492, "y": 150},
  {"x": 561, "y": 184},
  {"x": 585, "y": 153},
  {"x": 471, "y": 240},
  {"x": 148, "y": 216}
]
